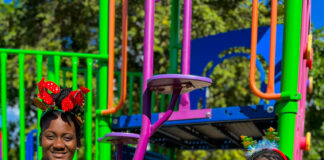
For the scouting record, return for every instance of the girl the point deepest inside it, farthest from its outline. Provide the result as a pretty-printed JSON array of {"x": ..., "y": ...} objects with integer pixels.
[{"x": 60, "y": 122}]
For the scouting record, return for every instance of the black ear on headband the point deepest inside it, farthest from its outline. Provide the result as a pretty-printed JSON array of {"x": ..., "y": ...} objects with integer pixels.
[{"x": 39, "y": 104}]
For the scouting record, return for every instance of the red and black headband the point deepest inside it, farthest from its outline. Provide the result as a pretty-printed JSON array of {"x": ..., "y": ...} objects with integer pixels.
[{"x": 75, "y": 98}]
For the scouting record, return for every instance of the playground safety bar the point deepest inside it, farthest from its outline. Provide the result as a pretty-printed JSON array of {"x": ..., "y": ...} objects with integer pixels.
[
  {"x": 111, "y": 109},
  {"x": 254, "y": 38}
]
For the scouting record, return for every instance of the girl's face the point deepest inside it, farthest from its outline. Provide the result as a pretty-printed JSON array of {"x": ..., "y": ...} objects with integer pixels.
[{"x": 58, "y": 139}]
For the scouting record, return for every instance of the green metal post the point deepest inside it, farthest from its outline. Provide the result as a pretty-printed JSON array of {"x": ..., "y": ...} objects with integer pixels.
[
  {"x": 119, "y": 113},
  {"x": 287, "y": 109},
  {"x": 75, "y": 62},
  {"x": 22, "y": 149},
  {"x": 174, "y": 48},
  {"x": 64, "y": 79},
  {"x": 153, "y": 101},
  {"x": 171, "y": 153},
  {"x": 88, "y": 113},
  {"x": 174, "y": 39},
  {"x": 130, "y": 94},
  {"x": 96, "y": 119},
  {"x": 50, "y": 68},
  {"x": 162, "y": 103},
  {"x": 3, "y": 92},
  {"x": 57, "y": 69},
  {"x": 103, "y": 122},
  {"x": 161, "y": 150},
  {"x": 174, "y": 36},
  {"x": 39, "y": 64},
  {"x": 141, "y": 91}
]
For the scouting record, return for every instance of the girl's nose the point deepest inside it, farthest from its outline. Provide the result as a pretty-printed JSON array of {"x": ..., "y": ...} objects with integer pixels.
[{"x": 58, "y": 144}]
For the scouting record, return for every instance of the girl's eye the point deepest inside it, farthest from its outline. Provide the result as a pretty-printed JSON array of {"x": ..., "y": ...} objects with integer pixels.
[
  {"x": 67, "y": 138},
  {"x": 50, "y": 137}
]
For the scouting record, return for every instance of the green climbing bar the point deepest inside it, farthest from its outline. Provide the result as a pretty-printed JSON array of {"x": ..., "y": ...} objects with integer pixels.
[{"x": 287, "y": 108}]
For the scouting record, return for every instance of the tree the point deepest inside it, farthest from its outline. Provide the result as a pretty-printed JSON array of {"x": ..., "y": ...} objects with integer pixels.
[
  {"x": 58, "y": 25},
  {"x": 315, "y": 110}
]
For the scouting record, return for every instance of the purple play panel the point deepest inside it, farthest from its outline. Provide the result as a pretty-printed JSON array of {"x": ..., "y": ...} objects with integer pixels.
[
  {"x": 165, "y": 83},
  {"x": 120, "y": 137}
]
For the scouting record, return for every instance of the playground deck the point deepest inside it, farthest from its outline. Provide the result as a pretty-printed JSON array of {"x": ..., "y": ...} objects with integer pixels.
[{"x": 219, "y": 130}]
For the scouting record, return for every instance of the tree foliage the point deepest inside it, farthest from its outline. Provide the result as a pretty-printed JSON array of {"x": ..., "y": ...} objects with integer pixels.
[{"x": 72, "y": 25}]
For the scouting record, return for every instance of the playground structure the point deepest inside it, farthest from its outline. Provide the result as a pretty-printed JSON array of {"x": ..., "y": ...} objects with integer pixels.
[{"x": 187, "y": 127}]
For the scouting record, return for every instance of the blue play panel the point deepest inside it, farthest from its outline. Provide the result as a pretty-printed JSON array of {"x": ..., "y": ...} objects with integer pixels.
[{"x": 221, "y": 131}]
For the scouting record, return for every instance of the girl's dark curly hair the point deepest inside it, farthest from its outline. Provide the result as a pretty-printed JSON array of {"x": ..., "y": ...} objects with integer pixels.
[
  {"x": 268, "y": 154},
  {"x": 54, "y": 114}
]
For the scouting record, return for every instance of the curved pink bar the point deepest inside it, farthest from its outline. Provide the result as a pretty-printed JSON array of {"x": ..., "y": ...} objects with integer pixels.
[
  {"x": 168, "y": 113},
  {"x": 302, "y": 82}
]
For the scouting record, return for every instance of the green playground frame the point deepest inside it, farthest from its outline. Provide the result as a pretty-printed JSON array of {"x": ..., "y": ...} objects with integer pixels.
[{"x": 287, "y": 109}]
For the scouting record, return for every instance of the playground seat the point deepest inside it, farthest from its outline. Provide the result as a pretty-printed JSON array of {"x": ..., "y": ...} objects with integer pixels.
[{"x": 119, "y": 138}]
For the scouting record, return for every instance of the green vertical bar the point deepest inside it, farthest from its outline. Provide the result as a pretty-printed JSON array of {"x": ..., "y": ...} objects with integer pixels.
[
  {"x": 39, "y": 64},
  {"x": 141, "y": 91},
  {"x": 88, "y": 114},
  {"x": 22, "y": 149},
  {"x": 75, "y": 62},
  {"x": 3, "y": 92},
  {"x": 119, "y": 90},
  {"x": 153, "y": 101},
  {"x": 96, "y": 119},
  {"x": 57, "y": 62},
  {"x": 174, "y": 39},
  {"x": 50, "y": 72},
  {"x": 171, "y": 153},
  {"x": 287, "y": 109},
  {"x": 50, "y": 66},
  {"x": 104, "y": 148},
  {"x": 161, "y": 150},
  {"x": 130, "y": 95},
  {"x": 174, "y": 35},
  {"x": 162, "y": 103},
  {"x": 64, "y": 79}
]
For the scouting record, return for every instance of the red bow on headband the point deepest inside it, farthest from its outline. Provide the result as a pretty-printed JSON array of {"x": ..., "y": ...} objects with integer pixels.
[
  {"x": 75, "y": 97},
  {"x": 44, "y": 95}
]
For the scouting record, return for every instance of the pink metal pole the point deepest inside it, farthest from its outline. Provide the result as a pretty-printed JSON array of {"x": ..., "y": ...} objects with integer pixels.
[
  {"x": 302, "y": 81},
  {"x": 168, "y": 113},
  {"x": 147, "y": 73},
  {"x": 185, "y": 101}
]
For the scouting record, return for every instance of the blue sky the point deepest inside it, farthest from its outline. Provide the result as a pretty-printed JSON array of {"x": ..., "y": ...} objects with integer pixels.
[{"x": 318, "y": 13}]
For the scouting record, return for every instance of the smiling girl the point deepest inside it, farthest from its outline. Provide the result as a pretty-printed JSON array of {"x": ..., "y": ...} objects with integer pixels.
[{"x": 60, "y": 122}]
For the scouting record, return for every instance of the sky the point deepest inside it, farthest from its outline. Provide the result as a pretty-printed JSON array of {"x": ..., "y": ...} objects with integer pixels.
[{"x": 317, "y": 13}]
